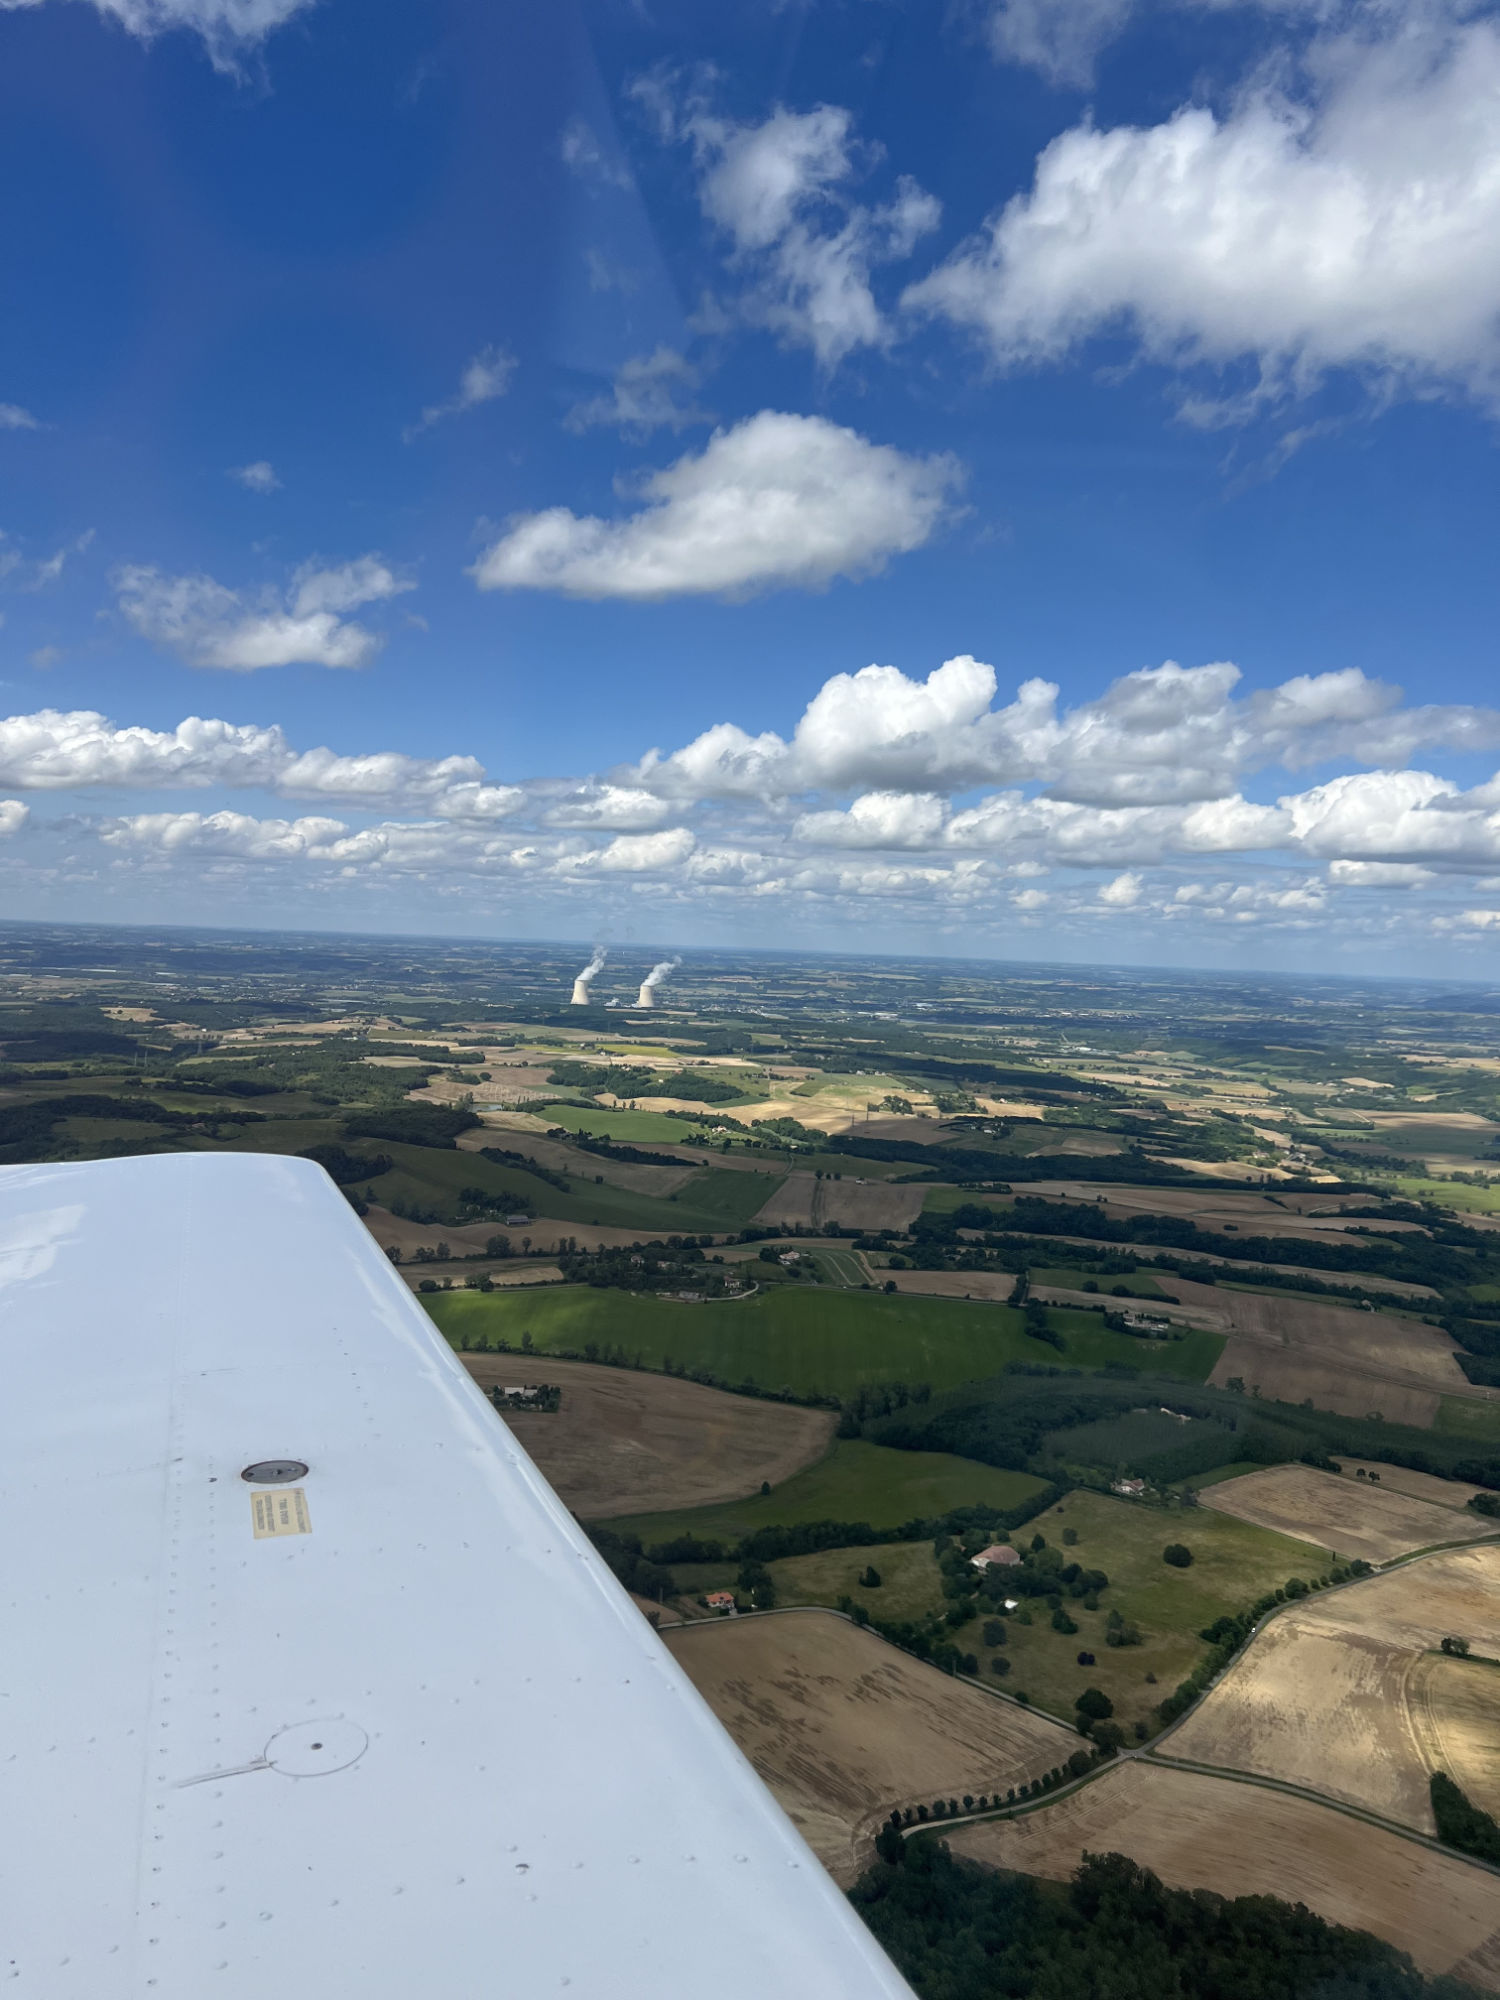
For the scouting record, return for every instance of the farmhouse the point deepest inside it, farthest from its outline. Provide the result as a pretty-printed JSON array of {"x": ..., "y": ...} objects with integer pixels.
[
  {"x": 1138, "y": 1322},
  {"x": 1131, "y": 1488},
  {"x": 516, "y": 1221},
  {"x": 720, "y": 1600},
  {"x": 998, "y": 1555}
]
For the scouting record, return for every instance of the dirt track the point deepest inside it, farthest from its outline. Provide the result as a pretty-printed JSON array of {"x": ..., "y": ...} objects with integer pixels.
[
  {"x": 842, "y": 1727},
  {"x": 1241, "y": 1840},
  {"x": 631, "y": 1443},
  {"x": 1349, "y": 1516}
]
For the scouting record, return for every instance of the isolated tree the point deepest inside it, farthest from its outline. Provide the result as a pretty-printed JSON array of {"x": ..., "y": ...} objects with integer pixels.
[
  {"x": 1178, "y": 1554},
  {"x": 870, "y": 1578},
  {"x": 1095, "y": 1704},
  {"x": 1458, "y": 1647},
  {"x": 1070, "y": 1537}
]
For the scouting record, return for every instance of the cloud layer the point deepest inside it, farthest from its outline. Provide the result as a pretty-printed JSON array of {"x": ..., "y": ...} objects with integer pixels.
[{"x": 929, "y": 796}]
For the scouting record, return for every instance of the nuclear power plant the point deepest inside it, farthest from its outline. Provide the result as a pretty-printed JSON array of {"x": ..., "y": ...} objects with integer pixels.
[
  {"x": 587, "y": 977},
  {"x": 654, "y": 978}
]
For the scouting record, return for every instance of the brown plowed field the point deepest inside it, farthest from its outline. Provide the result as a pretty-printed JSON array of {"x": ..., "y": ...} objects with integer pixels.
[
  {"x": 630, "y": 1443},
  {"x": 1344, "y": 1359},
  {"x": 842, "y": 1727},
  {"x": 804, "y": 1201},
  {"x": 1240, "y": 1840},
  {"x": 1352, "y": 1517},
  {"x": 1335, "y": 1693},
  {"x": 996, "y": 1285}
]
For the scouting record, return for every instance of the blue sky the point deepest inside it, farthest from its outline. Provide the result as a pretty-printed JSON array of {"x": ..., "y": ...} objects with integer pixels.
[{"x": 514, "y": 434}]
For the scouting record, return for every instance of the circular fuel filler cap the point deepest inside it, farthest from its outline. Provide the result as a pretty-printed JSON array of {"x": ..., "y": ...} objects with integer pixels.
[{"x": 274, "y": 1471}]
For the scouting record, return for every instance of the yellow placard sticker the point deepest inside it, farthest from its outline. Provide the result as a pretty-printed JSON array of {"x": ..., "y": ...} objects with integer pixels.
[{"x": 283, "y": 1512}]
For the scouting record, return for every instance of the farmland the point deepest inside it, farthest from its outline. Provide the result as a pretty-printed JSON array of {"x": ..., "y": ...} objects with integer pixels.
[
  {"x": 1333, "y": 1693},
  {"x": 624, "y": 1441},
  {"x": 1200, "y": 1832},
  {"x": 843, "y": 1727},
  {"x": 814, "y": 1342},
  {"x": 854, "y": 1482},
  {"x": 1346, "y": 1514},
  {"x": 1233, "y": 1563},
  {"x": 714, "y": 1199}
]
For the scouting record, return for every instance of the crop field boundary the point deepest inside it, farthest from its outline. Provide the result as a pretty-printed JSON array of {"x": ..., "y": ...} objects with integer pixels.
[{"x": 1150, "y": 1753}]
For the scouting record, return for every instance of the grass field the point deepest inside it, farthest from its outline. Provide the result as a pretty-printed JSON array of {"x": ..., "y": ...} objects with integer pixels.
[
  {"x": 855, "y": 1482},
  {"x": 842, "y": 1267},
  {"x": 715, "y": 1201},
  {"x": 1450, "y": 1194},
  {"x": 1129, "y": 1440},
  {"x": 1071, "y": 1277},
  {"x": 812, "y": 1341},
  {"x": 1467, "y": 1417},
  {"x": 1233, "y": 1564}
]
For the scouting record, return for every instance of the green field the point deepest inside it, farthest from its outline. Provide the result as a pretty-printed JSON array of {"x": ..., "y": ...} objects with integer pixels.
[
  {"x": 631, "y": 1127},
  {"x": 855, "y": 1482},
  {"x": 943, "y": 1201},
  {"x": 1449, "y": 1194},
  {"x": 1128, "y": 1441},
  {"x": 715, "y": 1201},
  {"x": 1468, "y": 1417},
  {"x": 812, "y": 1341},
  {"x": 1234, "y": 1563},
  {"x": 1139, "y": 1284},
  {"x": 1219, "y": 1474},
  {"x": 841, "y": 1267},
  {"x": 910, "y": 1582}
]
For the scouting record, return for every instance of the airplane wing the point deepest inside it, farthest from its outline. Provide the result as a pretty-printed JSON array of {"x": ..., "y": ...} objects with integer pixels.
[{"x": 310, "y": 1684}]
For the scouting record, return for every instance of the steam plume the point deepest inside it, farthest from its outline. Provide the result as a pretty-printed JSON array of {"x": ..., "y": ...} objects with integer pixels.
[
  {"x": 647, "y": 995},
  {"x": 587, "y": 977}
]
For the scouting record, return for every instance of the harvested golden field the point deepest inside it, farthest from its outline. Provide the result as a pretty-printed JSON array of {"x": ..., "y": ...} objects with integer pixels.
[
  {"x": 1455, "y": 1708},
  {"x": 804, "y": 1201},
  {"x": 629, "y": 1443},
  {"x": 843, "y": 1727},
  {"x": 960, "y": 1284},
  {"x": 1241, "y": 1840},
  {"x": 1335, "y": 1693},
  {"x": 1420, "y": 1485},
  {"x": 1350, "y": 1516}
]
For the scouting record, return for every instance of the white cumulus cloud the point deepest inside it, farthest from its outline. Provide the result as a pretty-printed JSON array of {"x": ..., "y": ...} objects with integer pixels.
[
  {"x": 779, "y": 501},
  {"x": 80, "y": 749},
  {"x": 1357, "y": 226},
  {"x": 257, "y": 477},
  {"x": 209, "y": 625},
  {"x": 649, "y": 392},
  {"x": 13, "y": 816},
  {"x": 228, "y": 27},
  {"x": 486, "y": 378}
]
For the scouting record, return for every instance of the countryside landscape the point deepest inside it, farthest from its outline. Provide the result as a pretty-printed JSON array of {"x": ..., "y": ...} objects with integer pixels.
[{"x": 1047, "y": 1412}]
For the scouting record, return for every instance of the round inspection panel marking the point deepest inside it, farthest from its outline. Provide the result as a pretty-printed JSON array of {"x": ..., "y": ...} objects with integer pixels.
[
  {"x": 274, "y": 1471},
  {"x": 314, "y": 1749}
]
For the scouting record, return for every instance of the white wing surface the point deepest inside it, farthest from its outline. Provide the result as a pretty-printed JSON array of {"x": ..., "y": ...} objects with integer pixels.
[{"x": 387, "y": 1729}]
